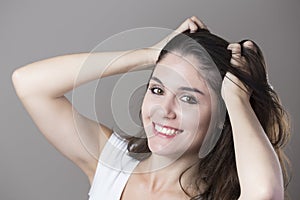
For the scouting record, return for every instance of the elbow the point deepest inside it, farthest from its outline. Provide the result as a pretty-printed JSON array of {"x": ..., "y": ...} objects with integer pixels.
[
  {"x": 265, "y": 193},
  {"x": 15, "y": 76},
  {"x": 271, "y": 194},
  {"x": 275, "y": 194},
  {"x": 18, "y": 81},
  {"x": 272, "y": 190}
]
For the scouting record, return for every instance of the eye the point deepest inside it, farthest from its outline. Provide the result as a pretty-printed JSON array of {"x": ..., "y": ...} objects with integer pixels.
[
  {"x": 189, "y": 99},
  {"x": 156, "y": 90}
]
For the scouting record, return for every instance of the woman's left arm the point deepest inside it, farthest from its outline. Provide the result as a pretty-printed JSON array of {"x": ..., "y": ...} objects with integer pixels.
[{"x": 257, "y": 163}]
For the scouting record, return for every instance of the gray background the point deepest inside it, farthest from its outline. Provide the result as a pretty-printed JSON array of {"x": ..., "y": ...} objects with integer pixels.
[{"x": 32, "y": 30}]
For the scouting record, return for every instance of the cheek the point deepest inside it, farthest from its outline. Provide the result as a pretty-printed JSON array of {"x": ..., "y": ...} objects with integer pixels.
[
  {"x": 150, "y": 106},
  {"x": 196, "y": 124},
  {"x": 194, "y": 120},
  {"x": 145, "y": 109}
]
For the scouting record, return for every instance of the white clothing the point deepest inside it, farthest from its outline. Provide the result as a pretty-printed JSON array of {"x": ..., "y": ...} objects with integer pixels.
[{"x": 113, "y": 170}]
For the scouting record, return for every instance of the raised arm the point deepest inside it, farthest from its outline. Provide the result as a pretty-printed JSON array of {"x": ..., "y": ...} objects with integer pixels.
[
  {"x": 258, "y": 166},
  {"x": 41, "y": 87}
]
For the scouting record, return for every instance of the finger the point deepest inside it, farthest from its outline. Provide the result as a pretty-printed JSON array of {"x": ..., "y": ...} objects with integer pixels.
[
  {"x": 184, "y": 26},
  {"x": 236, "y": 58},
  {"x": 199, "y": 22},
  {"x": 192, "y": 26},
  {"x": 188, "y": 24},
  {"x": 249, "y": 45}
]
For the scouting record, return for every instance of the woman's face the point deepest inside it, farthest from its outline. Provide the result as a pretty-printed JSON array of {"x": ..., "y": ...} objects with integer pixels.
[{"x": 176, "y": 110}]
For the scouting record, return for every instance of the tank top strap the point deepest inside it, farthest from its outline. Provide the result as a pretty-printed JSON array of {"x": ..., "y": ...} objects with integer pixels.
[{"x": 113, "y": 170}]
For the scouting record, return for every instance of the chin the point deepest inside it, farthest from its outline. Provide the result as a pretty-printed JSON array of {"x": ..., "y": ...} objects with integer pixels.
[{"x": 169, "y": 148}]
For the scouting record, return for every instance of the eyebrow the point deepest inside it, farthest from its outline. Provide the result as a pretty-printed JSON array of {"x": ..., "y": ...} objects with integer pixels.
[
  {"x": 157, "y": 80},
  {"x": 181, "y": 88}
]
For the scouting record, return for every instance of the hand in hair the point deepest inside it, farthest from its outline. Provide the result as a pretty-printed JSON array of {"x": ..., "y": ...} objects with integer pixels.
[
  {"x": 232, "y": 86},
  {"x": 192, "y": 24}
]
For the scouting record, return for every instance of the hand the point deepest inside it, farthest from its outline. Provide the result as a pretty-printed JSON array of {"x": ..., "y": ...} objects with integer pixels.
[
  {"x": 192, "y": 24},
  {"x": 232, "y": 86}
]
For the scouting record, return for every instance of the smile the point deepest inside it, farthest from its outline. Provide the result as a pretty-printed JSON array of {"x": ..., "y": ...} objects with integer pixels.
[{"x": 166, "y": 131}]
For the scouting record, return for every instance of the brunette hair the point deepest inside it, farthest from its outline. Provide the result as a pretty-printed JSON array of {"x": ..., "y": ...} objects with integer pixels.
[{"x": 217, "y": 169}]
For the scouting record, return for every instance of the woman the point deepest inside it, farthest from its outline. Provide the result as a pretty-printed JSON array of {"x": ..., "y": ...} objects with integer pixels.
[{"x": 192, "y": 148}]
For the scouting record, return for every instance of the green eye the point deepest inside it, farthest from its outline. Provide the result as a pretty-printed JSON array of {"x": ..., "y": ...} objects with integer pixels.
[{"x": 189, "y": 99}]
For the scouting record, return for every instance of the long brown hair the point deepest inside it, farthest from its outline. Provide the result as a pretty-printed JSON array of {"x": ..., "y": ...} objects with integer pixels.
[{"x": 217, "y": 170}]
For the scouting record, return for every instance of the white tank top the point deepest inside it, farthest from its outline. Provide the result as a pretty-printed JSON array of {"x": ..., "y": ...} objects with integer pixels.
[{"x": 113, "y": 170}]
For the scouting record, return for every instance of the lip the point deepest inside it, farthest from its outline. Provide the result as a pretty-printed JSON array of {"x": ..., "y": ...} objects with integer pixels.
[{"x": 164, "y": 135}]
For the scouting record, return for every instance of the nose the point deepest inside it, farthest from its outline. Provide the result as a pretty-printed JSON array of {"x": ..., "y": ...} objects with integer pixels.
[{"x": 169, "y": 107}]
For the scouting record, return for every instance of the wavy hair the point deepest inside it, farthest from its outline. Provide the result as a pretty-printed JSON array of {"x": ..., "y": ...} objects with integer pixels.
[{"x": 217, "y": 170}]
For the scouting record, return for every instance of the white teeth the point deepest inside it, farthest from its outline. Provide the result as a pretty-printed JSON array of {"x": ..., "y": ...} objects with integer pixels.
[
  {"x": 165, "y": 130},
  {"x": 168, "y": 132},
  {"x": 160, "y": 128}
]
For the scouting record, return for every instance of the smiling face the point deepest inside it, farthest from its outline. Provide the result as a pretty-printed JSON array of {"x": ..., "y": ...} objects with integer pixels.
[{"x": 176, "y": 110}]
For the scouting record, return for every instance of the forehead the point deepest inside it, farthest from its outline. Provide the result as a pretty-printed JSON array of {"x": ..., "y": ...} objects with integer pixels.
[{"x": 177, "y": 71}]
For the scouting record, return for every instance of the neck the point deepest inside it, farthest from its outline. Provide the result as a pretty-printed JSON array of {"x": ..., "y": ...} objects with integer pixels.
[{"x": 163, "y": 172}]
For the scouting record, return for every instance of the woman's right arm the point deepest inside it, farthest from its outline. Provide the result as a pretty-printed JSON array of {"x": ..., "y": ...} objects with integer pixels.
[{"x": 41, "y": 87}]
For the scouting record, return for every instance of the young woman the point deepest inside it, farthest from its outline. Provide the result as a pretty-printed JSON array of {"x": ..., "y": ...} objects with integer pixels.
[{"x": 213, "y": 126}]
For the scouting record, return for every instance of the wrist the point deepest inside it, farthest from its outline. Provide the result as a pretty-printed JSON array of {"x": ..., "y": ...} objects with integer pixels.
[
  {"x": 144, "y": 59},
  {"x": 152, "y": 53},
  {"x": 235, "y": 100},
  {"x": 234, "y": 90}
]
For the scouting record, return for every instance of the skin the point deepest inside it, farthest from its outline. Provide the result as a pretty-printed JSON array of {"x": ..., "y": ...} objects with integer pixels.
[
  {"x": 257, "y": 164},
  {"x": 167, "y": 103}
]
